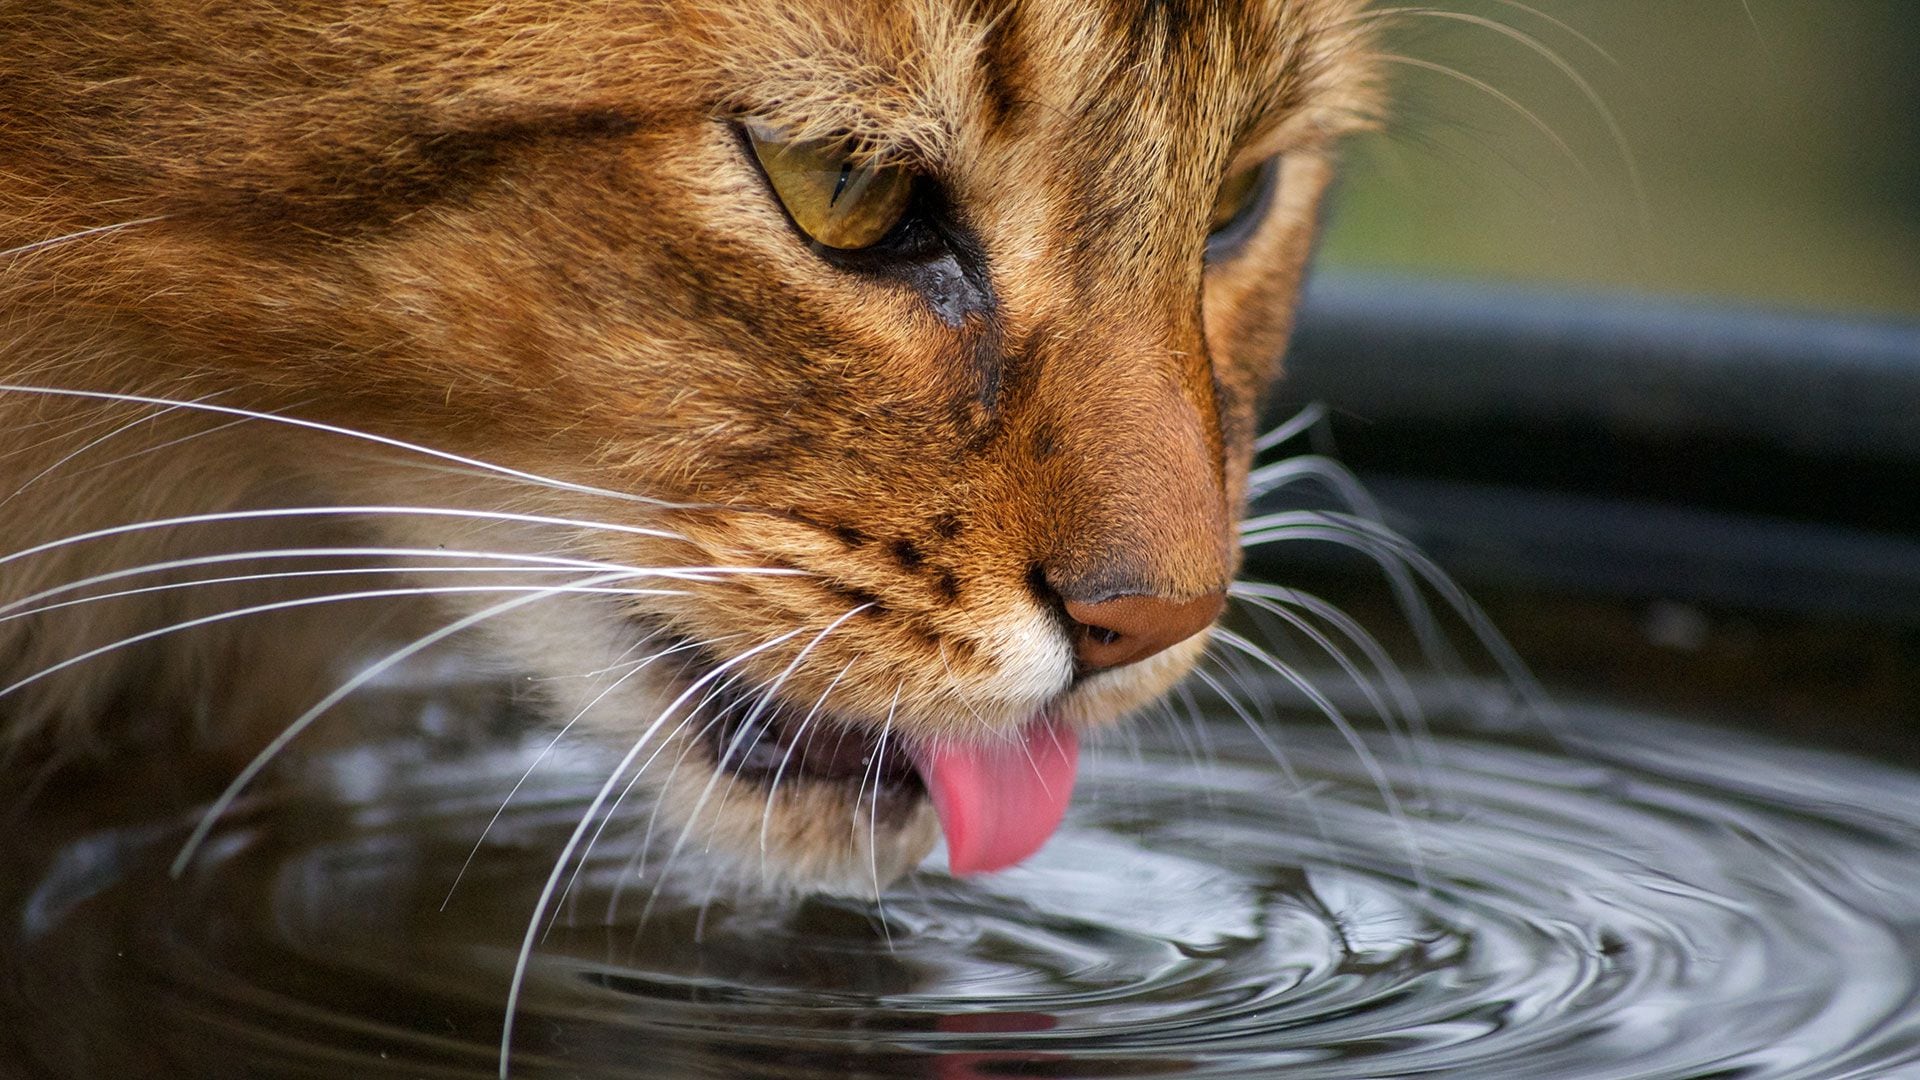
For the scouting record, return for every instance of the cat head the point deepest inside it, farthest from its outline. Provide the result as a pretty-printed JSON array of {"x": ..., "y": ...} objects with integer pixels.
[{"x": 964, "y": 453}]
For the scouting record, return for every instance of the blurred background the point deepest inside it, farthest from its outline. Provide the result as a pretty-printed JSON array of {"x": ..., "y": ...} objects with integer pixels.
[
  {"x": 1758, "y": 150},
  {"x": 1619, "y": 320}
]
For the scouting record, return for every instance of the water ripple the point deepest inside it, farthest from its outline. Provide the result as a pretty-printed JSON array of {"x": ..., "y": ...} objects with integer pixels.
[{"x": 1665, "y": 902}]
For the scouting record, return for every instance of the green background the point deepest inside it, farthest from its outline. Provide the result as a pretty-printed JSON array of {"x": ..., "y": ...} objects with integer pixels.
[{"x": 1776, "y": 144}]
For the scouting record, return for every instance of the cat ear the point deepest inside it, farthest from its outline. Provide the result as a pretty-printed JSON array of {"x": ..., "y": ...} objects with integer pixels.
[{"x": 836, "y": 197}]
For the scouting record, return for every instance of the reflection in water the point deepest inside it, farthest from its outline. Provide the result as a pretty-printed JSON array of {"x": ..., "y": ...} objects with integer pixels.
[{"x": 1663, "y": 902}]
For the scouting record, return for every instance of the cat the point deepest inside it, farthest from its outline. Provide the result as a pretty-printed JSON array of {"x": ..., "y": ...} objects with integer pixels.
[{"x": 837, "y": 406}]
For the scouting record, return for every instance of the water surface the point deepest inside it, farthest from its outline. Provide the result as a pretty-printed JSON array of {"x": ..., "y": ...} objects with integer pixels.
[{"x": 1651, "y": 899}]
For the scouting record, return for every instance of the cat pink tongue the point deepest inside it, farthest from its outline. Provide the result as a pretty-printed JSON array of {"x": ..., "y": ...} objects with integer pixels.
[{"x": 998, "y": 801}]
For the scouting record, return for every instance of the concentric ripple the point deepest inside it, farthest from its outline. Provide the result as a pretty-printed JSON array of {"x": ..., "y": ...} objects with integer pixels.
[{"x": 1663, "y": 901}]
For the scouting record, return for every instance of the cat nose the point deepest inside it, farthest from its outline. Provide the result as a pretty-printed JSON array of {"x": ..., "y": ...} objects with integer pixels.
[{"x": 1127, "y": 629}]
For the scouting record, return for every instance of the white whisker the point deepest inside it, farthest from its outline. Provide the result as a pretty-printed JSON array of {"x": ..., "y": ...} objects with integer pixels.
[
  {"x": 1368, "y": 761},
  {"x": 543, "y": 563},
  {"x": 1336, "y": 477},
  {"x": 1406, "y": 702},
  {"x": 546, "y": 750},
  {"x": 873, "y": 815},
  {"x": 747, "y": 726},
  {"x": 97, "y": 230},
  {"x": 1274, "y": 750},
  {"x": 157, "y": 447},
  {"x": 1580, "y": 83},
  {"x": 518, "y": 981},
  {"x": 144, "y": 417},
  {"x": 307, "y": 601},
  {"x": 606, "y": 819},
  {"x": 367, "y": 674},
  {"x": 760, "y": 707},
  {"x": 1344, "y": 485},
  {"x": 226, "y": 516},
  {"x": 351, "y": 433},
  {"x": 636, "y": 865},
  {"x": 1192, "y": 734},
  {"x": 1395, "y": 553},
  {"x": 1304, "y": 420},
  {"x": 799, "y": 739},
  {"x": 1376, "y": 703},
  {"x": 1532, "y": 118}
]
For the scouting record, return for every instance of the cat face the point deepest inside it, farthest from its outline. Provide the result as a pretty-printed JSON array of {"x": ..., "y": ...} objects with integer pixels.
[{"x": 540, "y": 235}]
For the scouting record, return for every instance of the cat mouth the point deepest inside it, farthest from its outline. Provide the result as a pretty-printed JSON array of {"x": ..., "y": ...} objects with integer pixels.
[
  {"x": 774, "y": 743},
  {"x": 998, "y": 797}
]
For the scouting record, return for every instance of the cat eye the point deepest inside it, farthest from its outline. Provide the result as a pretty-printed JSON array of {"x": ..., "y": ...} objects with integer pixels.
[
  {"x": 838, "y": 198},
  {"x": 1237, "y": 207}
]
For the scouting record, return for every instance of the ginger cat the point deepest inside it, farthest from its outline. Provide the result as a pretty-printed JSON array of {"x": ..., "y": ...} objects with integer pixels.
[{"x": 839, "y": 406}]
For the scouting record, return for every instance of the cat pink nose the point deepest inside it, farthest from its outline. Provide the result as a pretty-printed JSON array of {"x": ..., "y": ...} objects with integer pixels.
[{"x": 1127, "y": 629}]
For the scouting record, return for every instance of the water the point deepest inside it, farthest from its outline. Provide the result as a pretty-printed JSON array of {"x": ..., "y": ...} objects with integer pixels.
[{"x": 1659, "y": 900}]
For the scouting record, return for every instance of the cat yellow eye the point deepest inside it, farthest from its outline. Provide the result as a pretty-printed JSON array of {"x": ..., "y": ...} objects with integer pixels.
[
  {"x": 1237, "y": 196},
  {"x": 838, "y": 199}
]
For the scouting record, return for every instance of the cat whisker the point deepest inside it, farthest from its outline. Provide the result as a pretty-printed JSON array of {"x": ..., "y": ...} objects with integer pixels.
[
  {"x": 1344, "y": 485},
  {"x": 760, "y": 708},
  {"x": 636, "y": 864},
  {"x": 308, "y": 601},
  {"x": 873, "y": 814},
  {"x": 1759, "y": 36},
  {"x": 799, "y": 740},
  {"x": 613, "y": 808},
  {"x": 1234, "y": 666},
  {"x": 143, "y": 418},
  {"x": 1396, "y": 555},
  {"x": 230, "y": 516},
  {"x": 1398, "y": 715},
  {"x": 1528, "y": 9},
  {"x": 954, "y": 680},
  {"x": 1629, "y": 162},
  {"x": 639, "y": 773},
  {"x": 734, "y": 745},
  {"x": 1204, "y": 753},
  {"x": 1368, "y": 762},
  {"x": 1337, "y": 478},
  {"x": 82, "y": 234},
  {"x": 518, "y": 981},
  {"x": 1533, "y": 118},
  {"x": 1622, "y": 145},
  {"x": 1407, "y": 703},
  {"x": 1162, "y": 713},
  {"x": 706, "y": 905},
  {"x": 372, "y": 671},
  {"x": 23, "y": 607},
  {"x": 547, "y": 750},
  {"x": 1261, "y": 729},
  {"x": 625, "y": 663},
  {"x": 485, "y": 467},
  {"x": 358, "y": 571},
  {"x": 1275, "y": 604},
  {"x": 433, "y": 458},
  {"x": 1408, "y": 596},
  {"x": 156, "y": 448},
  {"x": 1292, "y": 428}
]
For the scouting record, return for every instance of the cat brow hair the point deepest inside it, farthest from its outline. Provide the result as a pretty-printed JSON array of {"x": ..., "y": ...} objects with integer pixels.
[{"x": 1284, "y": 89}]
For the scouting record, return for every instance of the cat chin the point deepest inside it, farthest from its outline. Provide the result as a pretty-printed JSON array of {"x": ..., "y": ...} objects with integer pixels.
[
  {"x": 856, "y": 835},
  {"x": 850, "y": 815},
  {"x": 781, "y": 793},
  {"x": 810, "y": 838}
]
